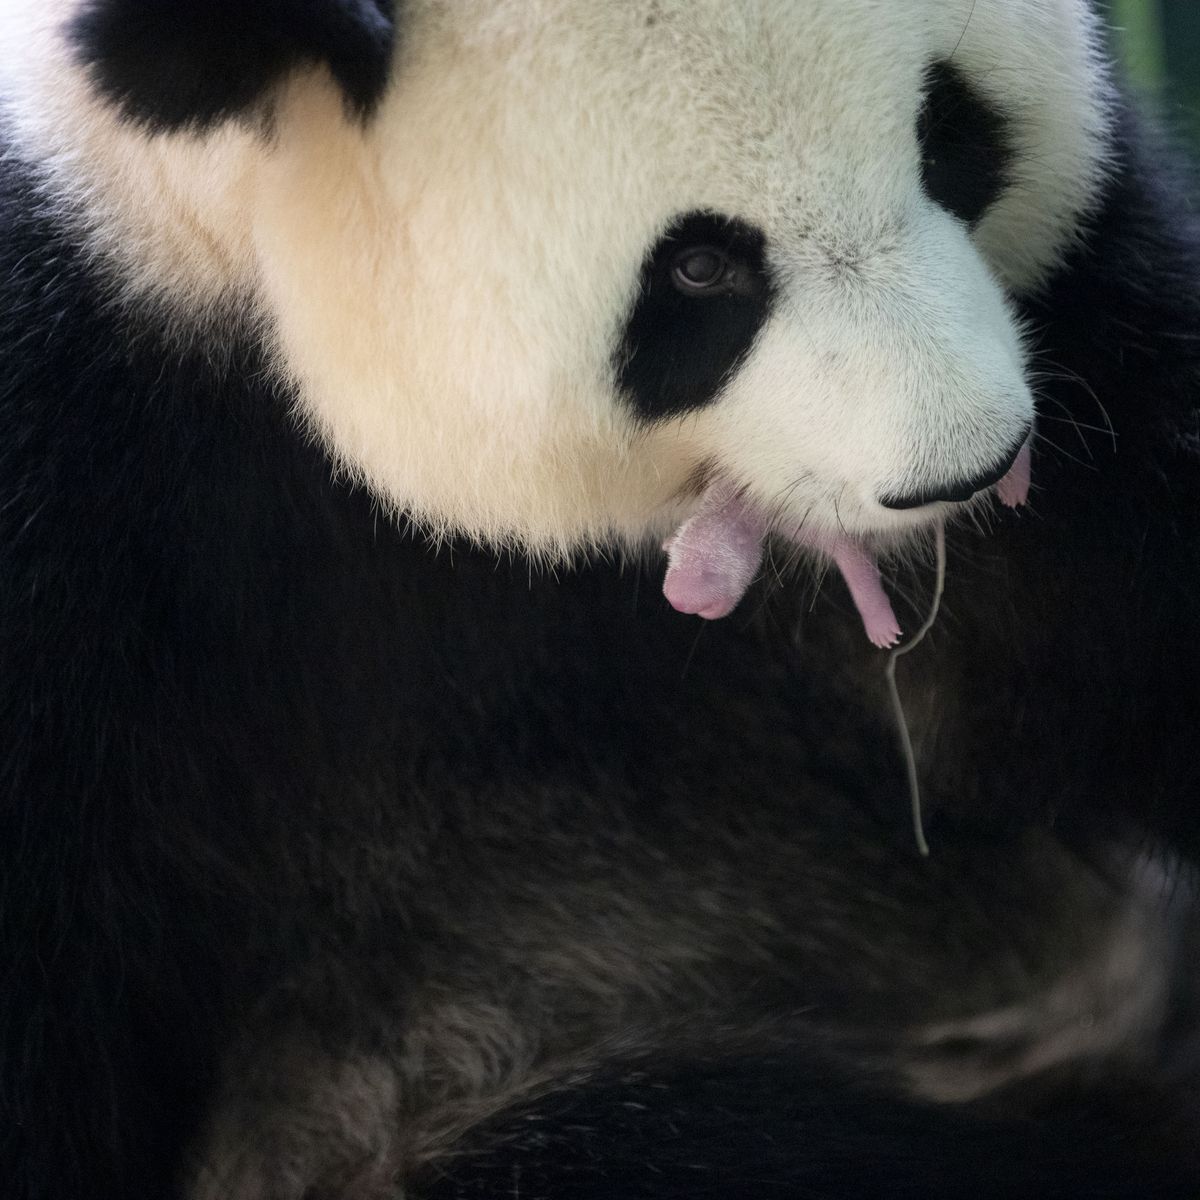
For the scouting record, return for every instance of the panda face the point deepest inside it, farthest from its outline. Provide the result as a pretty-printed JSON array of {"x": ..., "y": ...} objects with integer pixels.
[{"x": 584, "y": 257}]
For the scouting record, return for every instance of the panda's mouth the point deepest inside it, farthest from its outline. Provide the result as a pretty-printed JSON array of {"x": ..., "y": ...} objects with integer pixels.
[{"x": 715, "y": 555}]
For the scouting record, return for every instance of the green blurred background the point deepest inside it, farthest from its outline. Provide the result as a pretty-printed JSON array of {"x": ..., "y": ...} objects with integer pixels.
[{"x": 1159, "y": 43}]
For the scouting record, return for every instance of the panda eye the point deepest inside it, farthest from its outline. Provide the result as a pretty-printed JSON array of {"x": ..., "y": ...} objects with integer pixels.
[
  {"x": 704, "y": 292},
  {"x": 700, "y": 269}
]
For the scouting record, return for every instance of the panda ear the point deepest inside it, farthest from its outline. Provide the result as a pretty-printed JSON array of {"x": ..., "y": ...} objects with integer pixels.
[{"x": 191, "y": 63}]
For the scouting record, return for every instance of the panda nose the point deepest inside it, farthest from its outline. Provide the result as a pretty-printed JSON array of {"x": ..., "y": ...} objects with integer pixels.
[{"x": 960, "y": 489}]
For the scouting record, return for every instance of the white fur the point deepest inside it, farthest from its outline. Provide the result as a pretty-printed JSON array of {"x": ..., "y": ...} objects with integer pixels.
[{"x": 447, "y": 284}]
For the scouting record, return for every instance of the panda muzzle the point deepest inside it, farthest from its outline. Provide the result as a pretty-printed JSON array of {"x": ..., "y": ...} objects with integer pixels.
[{"x": 716, "y": 555}]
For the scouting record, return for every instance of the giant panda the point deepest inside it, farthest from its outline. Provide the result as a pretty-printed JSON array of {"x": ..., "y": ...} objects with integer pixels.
[{"x": 465, "y": 468}]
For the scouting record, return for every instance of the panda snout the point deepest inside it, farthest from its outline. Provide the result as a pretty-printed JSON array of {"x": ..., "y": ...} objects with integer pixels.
[{"x": 961, "y": 489}]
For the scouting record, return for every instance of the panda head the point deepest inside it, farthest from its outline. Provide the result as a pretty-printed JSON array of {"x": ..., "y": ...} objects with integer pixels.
[{"x": 547, "y": 272}]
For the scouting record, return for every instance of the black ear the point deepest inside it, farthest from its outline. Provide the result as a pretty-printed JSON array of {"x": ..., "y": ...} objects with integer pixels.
[{"x": 176, "y": 63}]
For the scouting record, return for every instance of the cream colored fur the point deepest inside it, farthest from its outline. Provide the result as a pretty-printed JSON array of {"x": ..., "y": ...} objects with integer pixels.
[{"x": 447, "y": 284}]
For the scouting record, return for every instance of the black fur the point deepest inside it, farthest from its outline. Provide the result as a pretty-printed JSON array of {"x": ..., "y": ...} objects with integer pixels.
[
  {"x": 174, "y": 63},
  {"x": 280, "y": 784},
  {"x": 787, "y": 1125},
  {"x": 1100, "y": 585},
  {"x": 966, "y": 155},
  {"x": 679, "y": 349}
]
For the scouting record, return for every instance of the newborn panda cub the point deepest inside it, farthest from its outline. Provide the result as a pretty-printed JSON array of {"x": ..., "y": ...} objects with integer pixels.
[{"x": 385, "y": 389}]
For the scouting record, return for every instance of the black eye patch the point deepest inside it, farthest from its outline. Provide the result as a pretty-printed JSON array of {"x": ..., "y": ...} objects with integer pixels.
[
  {"x": 704, "y": 295},
  {"x": 966, "y": 153}
]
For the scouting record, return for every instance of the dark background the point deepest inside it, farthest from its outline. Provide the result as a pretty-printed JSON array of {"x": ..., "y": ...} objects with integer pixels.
[{"x": 1158, "y": 43}]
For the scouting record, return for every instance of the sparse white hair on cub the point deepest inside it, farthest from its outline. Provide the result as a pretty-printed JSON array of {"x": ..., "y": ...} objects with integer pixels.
[{"x": 447, "y": 282}]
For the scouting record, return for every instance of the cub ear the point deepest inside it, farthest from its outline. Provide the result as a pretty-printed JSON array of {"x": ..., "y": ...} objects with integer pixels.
[{"x": 191, "y": 63}]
